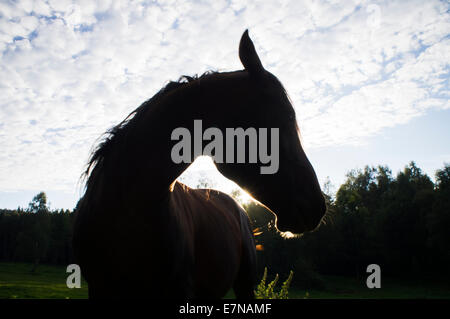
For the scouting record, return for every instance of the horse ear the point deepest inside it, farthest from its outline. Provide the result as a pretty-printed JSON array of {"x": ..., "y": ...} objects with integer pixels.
[{"x": 248, "y": 55}]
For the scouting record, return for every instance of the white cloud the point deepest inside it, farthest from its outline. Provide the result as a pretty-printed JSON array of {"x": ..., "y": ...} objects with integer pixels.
[{"x": 71, "y": 69}]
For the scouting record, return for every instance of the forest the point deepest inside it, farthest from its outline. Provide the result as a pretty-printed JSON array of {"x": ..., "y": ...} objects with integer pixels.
[{"x": 399, "y": 222}]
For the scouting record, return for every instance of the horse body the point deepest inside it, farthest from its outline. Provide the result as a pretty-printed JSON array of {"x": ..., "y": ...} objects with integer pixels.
[
  {"x": 196, "y": 238},
  {"x": 139, "y": 233},
  {"x": 220, "y": 240}
]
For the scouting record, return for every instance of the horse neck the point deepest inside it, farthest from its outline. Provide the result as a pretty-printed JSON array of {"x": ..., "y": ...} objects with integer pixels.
[
  {"x": 149, "y": 170},
  {"x": 149, "y": 178}
]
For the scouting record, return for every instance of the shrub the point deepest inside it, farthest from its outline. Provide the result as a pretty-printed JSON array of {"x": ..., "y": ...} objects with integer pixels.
[
  {"x": 263, "y": 292},
  {"x": 306, "y": 277}
]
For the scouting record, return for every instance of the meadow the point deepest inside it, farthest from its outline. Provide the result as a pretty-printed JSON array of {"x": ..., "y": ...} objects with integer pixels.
[
  {"x": 17, "y": 281},
  {"x": 49, "y": 282}
]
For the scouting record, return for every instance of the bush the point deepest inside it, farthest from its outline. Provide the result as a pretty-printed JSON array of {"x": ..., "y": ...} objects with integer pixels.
[
  {"x": 306, "y": 277},
  {"x": 263, "y": 292}
]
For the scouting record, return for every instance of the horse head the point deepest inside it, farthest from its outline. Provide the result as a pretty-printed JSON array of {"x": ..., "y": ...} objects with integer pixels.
[{"x": 291, "y": 190}]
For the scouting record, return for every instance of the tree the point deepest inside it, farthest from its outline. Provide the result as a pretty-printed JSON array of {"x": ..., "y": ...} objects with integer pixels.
[
  {"x": 40, "y": 230},
  {"x": 405, "y": 224},
  {"x": 438, "y": 222},
  {"x": 205, "y": 182},
  {"x": 38, "y": 203}
]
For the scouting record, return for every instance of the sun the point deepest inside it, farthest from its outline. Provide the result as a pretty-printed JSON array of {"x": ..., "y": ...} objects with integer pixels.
[
  {"x": 202, "y": 172},
  {"x": 246, "y": 198}
]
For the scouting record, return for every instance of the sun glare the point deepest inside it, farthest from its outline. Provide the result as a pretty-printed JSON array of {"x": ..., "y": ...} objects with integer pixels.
[
  {"x": 202, "y": 173},
  {"x": 246, "y": 197}
]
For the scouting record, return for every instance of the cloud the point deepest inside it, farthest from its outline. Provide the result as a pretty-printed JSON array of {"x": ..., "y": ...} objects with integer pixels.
[{"x": 71, "y": 69}]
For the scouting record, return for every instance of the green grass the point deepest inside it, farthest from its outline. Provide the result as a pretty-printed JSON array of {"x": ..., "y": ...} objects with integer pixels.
[
  {"x": 17, "y": 281},
  {"x": 391, "y": 288},
  {"x": 48, "y": 282}
]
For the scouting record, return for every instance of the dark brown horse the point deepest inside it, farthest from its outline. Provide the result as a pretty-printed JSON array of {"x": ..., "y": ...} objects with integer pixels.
[{"x": 139, "y": 233}]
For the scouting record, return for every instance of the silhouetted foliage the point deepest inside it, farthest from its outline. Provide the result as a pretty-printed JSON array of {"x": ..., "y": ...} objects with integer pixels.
[
  {"x": 37, "y": 234},
  {"x": 401, "y": 223}
]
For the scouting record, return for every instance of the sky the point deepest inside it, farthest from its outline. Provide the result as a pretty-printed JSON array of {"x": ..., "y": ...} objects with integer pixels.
[{"x": 369, "y": 80}]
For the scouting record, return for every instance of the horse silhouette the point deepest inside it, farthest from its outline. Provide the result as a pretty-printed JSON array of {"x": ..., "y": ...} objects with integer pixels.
[{"x": 140, "y": 233}]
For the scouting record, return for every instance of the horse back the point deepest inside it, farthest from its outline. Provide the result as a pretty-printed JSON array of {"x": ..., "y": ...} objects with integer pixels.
[{"x": 217, "y": 235}]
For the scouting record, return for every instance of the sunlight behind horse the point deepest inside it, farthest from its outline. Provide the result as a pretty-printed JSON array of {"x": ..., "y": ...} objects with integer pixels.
[{"x": 204, "y": 166}]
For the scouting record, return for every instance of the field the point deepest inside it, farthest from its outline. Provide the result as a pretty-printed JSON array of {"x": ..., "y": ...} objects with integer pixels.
[
  {"x": 344, "y": 288},
  {"x": 49, "y": 282}
]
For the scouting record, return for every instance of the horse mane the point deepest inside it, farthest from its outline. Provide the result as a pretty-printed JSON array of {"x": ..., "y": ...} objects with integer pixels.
[{"x": 119, "y": 132}]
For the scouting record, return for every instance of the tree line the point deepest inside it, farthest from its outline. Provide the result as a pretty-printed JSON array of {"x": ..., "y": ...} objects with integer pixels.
[
  {"x": 36, "y": 234},
  {"x": 401, "y": 223}
]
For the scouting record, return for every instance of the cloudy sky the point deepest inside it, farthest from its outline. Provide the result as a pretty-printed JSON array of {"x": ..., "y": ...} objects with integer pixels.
[{"x": 369, "y": 80}]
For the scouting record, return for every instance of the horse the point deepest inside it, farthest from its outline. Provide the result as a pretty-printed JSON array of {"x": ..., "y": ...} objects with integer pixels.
[{"x": 140, "y": 233}]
